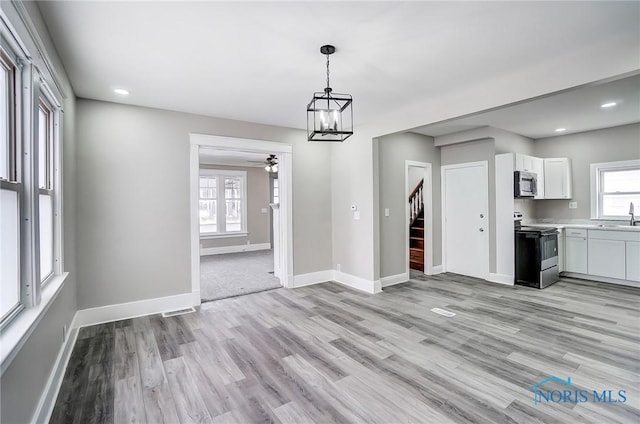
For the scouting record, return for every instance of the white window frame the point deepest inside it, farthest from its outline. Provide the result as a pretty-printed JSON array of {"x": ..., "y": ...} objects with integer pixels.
[
  {"x": 597, "y": 170},
  {"x": 53, "y": 178},
  {"x": 221, "y": 202}
]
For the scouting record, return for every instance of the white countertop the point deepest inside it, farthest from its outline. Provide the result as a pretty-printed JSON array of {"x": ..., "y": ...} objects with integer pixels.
[{"x": 607, "y": 227}]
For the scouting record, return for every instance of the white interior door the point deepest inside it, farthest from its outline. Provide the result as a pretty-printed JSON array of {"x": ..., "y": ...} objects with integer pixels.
[{"x": 465, "y": 189}]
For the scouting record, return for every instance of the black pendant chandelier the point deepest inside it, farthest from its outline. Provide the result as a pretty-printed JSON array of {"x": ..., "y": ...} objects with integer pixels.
[{"x": 329, "y": 115}]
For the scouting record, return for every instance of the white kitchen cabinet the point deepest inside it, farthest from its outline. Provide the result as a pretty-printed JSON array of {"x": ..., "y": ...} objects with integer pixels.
[
  {"x": 557, "y": 178},
  {"x": 606, "y": 258},
  {"x": 575, "y": 251},
  {"x": 538, "y": 168},
  {"x": 523, "y": 163},
  {"x": 633, "y": 260}
]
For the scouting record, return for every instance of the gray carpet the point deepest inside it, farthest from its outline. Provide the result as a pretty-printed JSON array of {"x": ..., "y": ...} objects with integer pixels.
[{"x": 234, "y": 274}]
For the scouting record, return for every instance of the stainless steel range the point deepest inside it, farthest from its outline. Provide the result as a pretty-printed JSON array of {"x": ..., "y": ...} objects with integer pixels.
[{"x": 536, "y": 256}]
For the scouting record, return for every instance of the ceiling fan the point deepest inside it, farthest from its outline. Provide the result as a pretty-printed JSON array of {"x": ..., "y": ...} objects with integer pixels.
[{"x": 271, "y": 163}]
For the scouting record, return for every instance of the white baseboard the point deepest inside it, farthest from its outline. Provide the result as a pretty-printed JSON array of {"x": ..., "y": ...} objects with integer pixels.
[
  {"x": 394, "y": 279},
  {"x": 501, "y": 278},
  {"x": 234, "y": 249},
  {"x": 313, "y": 278},
  {"x": 52, "y": 387},
  {"x": 139, "y": 308},
  {"x": 600, "y": 279},
  {"x": 438, "y": 269},
  {"x": 357, "y": 283}
]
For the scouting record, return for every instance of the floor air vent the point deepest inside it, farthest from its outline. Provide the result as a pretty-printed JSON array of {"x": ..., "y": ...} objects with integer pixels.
[
  {"x": 178, "y": 312},
  {"x": 443, "y": 312}
]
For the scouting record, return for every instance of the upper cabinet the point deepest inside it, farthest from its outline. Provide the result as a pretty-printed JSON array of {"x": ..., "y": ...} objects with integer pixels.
[
  {"x": 557, "y": 178},
  {"x": 554, "y": 175}
]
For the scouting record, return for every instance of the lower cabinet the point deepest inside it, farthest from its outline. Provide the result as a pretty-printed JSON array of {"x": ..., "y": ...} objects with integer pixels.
[
  {"x": 633, "y": 260},
  {"x": 607, "y": 258},
  {"x": 575, "y": 254}
]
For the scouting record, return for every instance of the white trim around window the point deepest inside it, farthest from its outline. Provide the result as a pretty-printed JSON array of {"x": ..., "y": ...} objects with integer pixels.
[
  {"x": 598, "y": 170},
  {"x": 221, "y": 230}
]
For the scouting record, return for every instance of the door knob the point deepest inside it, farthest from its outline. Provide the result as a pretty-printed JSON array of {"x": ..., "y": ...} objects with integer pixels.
[
  {"x": 481, "y": 230},
  {"x": 481, "y": 215}
]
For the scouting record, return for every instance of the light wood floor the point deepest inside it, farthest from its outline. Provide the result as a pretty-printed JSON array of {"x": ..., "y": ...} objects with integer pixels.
[{"x": 326, "y": 354}]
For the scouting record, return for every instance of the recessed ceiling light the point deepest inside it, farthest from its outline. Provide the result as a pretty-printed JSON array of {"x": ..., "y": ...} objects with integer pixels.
[
  {"x": 610, "y": 104},
  {"x": 121, "y": 91},
  {"x": 560, "y": 129}
]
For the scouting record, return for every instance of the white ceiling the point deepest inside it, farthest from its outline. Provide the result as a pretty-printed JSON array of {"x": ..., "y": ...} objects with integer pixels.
[
  {"x": 260, "y": 61},
  {"x": 232, "y": 158},
  {"x": 575, "y": 110}
]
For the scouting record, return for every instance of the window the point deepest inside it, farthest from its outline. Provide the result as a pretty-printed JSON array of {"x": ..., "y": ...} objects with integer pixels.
[
  {"x": 222, "y": 202},
  {"x": 10, "y": 190},
  {"x": 45, "y": 188},
  {"x": 30, "y": 212},
  {"x": 614, "y": 186}
]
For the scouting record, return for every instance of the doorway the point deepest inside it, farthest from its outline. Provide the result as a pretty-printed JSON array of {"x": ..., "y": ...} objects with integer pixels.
[
  {"x": 418, "y": 188},
  {"x": 465, "y": 209},
  {"x": 282, "y": 256}
]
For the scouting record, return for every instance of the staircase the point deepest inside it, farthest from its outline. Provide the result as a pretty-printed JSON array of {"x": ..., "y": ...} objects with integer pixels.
[{"x": 416, "y": 228}]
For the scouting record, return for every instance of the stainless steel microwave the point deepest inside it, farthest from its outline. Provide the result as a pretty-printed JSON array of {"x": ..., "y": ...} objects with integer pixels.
[{"x": 524, "y": 184}]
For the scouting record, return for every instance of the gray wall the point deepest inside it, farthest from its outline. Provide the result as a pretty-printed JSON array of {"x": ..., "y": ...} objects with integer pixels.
[
  {"x": 474, "y": 151},
  {"x": 133, "y": 191},
  {"x": 23, "y": 382},
  {"x": 258, "y": 196},
  {"x": 393, "y": 150},
  {"x": 607, "y": 145}
]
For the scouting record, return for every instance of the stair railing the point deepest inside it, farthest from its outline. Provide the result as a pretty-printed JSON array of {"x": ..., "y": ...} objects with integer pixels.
[{"x": 416, "y": 202}]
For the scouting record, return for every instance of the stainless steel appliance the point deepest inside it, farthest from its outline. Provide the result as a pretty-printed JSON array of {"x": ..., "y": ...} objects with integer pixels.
[
  {"x": 536, "y": 256},
  {"x": 525, "y": 184}
]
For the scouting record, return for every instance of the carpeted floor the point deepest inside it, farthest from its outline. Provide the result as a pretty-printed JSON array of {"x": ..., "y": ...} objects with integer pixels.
[{"x": 234, "y": 274}]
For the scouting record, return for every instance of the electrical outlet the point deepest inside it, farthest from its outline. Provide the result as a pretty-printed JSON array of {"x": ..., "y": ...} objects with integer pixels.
[
  {"x": 573, "y": 205},
  {"x": 338, "y": 267}
]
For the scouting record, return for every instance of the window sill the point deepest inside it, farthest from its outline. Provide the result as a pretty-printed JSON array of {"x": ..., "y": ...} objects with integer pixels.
[
  {"x": 17, "y": 332},
  {"x": 225, "y": 235}
]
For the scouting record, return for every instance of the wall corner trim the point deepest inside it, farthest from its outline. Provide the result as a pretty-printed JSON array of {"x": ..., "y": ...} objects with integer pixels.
[
  {"x": 394, "y": 279},
  {"x": 358, "y": 283},
  {"x": 501, "y": 279},
  {"x": 317, "y": 277},
  {"x": 438, "y": 269},
  {"x": 109, "y": 313}
]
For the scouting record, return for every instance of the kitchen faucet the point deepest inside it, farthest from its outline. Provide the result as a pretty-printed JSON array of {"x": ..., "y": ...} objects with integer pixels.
[{"x": 632, "y": 222}]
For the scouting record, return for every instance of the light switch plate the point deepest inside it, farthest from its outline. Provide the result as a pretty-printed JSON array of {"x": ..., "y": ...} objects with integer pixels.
[
  {"x": 356, "y": 215},
  {"x": 573, "y": 205},
  {"x": 263, "y": 210},
  {"x": 386, "y": 211}
]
